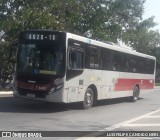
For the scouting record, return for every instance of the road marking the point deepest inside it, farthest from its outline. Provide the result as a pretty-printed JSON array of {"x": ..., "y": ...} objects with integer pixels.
[
  {"x": 152, "y": 117},
  {"x": 125, "y": 123},
  {"x": 141, "y": 125},
  {"x": 130, "y": 121}
]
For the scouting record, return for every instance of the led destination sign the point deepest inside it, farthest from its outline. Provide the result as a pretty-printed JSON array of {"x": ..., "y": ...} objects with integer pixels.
[{"x": 40, "y": 36}]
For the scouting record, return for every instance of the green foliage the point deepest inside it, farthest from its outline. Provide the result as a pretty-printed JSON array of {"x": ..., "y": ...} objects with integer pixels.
[
  {"x": 6, "y": 64},
  {"x": 144, "y": 40},
  {"x": 105, "y": 20}
]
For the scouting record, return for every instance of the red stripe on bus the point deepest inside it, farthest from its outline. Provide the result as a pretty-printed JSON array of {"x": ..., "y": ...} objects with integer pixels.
[{"x": 128, "y": 84}]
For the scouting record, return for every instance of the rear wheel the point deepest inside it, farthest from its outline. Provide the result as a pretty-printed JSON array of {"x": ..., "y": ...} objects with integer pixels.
[
  {"x": 135, "y": 96},
  {"x": 88, "y": 99}
]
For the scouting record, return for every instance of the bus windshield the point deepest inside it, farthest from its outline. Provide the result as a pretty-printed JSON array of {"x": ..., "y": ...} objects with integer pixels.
[{"x": 41, "y": 58}]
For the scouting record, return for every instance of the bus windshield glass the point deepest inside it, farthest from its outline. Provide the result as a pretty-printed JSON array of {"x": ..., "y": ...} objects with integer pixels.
[{"x": 42, "y": 58}]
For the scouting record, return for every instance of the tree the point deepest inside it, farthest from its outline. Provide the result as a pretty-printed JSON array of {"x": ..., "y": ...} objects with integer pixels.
[
  {"x": 6, "y": 64},
  {"x": 144, "y": 40},
  {"x": 105, "y": 20}
]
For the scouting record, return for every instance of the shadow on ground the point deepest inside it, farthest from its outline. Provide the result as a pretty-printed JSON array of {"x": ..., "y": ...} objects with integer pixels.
[{"x": 8, "y": 103}]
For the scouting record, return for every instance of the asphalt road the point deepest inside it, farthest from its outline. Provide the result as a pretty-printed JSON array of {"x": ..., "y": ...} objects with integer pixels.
[{"x": 115, "y": 115}]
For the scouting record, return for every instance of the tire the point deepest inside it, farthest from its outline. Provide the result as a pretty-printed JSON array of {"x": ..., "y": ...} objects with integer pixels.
[
  {"x": 135, "y": 96},
  {"x": 88, "y": 99}
]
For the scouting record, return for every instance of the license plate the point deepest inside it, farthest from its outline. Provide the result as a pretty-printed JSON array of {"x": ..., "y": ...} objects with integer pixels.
[{"x": 31, "y": 95}]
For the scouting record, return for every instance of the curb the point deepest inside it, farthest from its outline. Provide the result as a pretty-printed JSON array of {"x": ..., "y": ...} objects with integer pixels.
[
  {"x": 6, "y": 92},
  {"x": 156, "y": 87}
]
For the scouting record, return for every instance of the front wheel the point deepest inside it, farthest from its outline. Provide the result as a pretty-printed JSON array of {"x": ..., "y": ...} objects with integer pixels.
[{"x": 88, "y": 99}]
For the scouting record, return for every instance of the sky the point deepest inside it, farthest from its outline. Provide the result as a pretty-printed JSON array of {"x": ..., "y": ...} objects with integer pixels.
[{"x": 152, "y": 8}]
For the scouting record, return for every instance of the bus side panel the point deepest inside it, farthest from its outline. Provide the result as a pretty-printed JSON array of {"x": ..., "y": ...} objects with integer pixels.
[
  {"x": 77, "y": 86},
  {"x": 106, "y": 83},
  {"x": 109, "y": 79},
  {"x": 93, "y": 78},
  {"x": 73, "y": 88},
  {"x": 127, "y": 81}
]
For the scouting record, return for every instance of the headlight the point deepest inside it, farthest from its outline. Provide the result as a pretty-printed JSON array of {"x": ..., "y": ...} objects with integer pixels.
[
  {"x": 59, "y": 86},
  {"x": 52, "y": 90}
]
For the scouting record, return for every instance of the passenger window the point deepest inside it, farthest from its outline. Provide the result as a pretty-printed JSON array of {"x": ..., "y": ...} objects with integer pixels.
[
  {"x": 117, "y": 62},
  {"x": 76, "y": 59},
  {"x": 149, "y": 66}
]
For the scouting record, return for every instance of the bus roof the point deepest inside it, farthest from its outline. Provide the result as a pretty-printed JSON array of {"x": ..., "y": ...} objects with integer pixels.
[{"x": 108, "y": 45}]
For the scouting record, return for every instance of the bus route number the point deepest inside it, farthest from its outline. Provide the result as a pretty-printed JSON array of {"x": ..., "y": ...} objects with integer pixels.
[{"x": 40, "y": 37}]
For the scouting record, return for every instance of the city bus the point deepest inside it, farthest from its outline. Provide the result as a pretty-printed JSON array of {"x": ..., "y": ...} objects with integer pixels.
[{"x": 55, "y": 66}]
